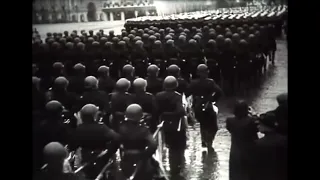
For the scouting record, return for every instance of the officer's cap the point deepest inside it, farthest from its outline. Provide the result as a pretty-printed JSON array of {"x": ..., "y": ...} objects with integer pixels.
[
  {"x": 123, "y": 84},
  {"x": 89, "y": 110},
  {"x": 54, "y": 152},
  {"x": 170, "y": 82},
  {"x": 54, "y": 107},
  {"x": 61, "y": 82},
  {"x": 134, "y": 112},
  {"x": 90, "y": 82},
  {"x": 140, "y": 83}
]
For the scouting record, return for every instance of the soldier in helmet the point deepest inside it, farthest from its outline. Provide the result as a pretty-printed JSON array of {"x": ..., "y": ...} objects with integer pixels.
[
  {"x": 52, "y": 128},
  {"x": 60, "y": 93},
  {"x": 244, "y": 66},
  {"x": 195, "y": 57},
  {"x": 139, "y": 58},
  {"x": 147, "y": 101},
  {"x": 93, "y": 138},
  {"x": 93, "y": 95},
  {"x": 171, "y": 111},
  {"x": 205, "y": 92},
  {"x": 55, "y": 156},
  {"x": 154, "y": 84},
  {"x": 172, "y": 53},
  {"x": 105, "y": 82},
  {"x": 38, "y": 99},
  {"x": 174, "y": 71},
  {"x": 157, "y": 56},
  {"x": 128, "y": 72},
  {"x": 211, "y": 54},
  {"x": 76, "y": 82},
  {"x": 120, "y": 99},
  {"x": 138, "y": 145}
]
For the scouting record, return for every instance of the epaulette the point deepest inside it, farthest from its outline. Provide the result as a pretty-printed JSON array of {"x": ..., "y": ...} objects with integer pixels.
[
  {"x": 177, "y": 93},
  {"x": 149, "y": 94}
]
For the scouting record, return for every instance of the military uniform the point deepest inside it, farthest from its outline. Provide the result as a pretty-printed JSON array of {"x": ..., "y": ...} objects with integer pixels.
[
  {"x": 93, "y": 138},
  {"x": 172, "y": 112},
  {"x": 51, "y": 129},
  {"x": 205, "y": 91},
  {"x": 137, "y": 145}
]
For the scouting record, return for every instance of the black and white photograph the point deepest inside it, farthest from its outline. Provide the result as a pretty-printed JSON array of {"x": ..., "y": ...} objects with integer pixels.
[{"x": 159, "y": 90}]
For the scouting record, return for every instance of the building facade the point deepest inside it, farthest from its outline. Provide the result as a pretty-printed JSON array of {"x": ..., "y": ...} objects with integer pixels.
[{"x": 63, "y": 11}]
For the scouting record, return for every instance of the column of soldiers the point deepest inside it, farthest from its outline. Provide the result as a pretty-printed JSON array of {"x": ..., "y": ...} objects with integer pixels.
[{"x": 98, "y": 91}]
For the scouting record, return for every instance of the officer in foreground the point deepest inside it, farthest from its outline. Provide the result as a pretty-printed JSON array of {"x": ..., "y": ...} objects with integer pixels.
[
  {"x": 270, "y": 157},
  {"x": 138, "y": 145},
  {"x": 147, "y": 102},
  {"x": 93, "y": 138},
  {"x": 171, "y": 111},
  {"x": 204, "y": 92},
  {"x": 57, "y": 168}
]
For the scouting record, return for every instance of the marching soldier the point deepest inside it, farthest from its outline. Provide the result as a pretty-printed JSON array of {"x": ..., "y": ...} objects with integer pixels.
[
  {"x": 49, "y": 130},
  {"x": 205, "y": 92},
  {"x": 94, "y": 96},
  {"x": 172, "y": 112},
  {"x": 147, "y": 102},
  {"x": 76, "y": 83},
  {"x": 139, "y": 58},
  {"x": 137, "y": 144},
  {"x": 154, "y": 84},
  {"x": 174, "y": 71},
  {"x": 120, "y": 99},
  {"x": 93, "y": 138},
  {"x": 59, "y": 93},
  {"x": 128, "y": 72},
  {"x": 105, "y": 82},
  {"x": 55, "y": 156},
  {"x": 157, "y": 57}
]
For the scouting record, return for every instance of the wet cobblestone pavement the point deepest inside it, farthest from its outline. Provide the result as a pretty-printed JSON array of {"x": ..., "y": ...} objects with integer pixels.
[
  {"x": 215, "y": 166},
  {"x": 194, "y": 164}
]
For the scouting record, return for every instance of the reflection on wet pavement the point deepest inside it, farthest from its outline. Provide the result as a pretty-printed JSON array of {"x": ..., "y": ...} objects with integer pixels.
[{"x": 193, "y": 164}]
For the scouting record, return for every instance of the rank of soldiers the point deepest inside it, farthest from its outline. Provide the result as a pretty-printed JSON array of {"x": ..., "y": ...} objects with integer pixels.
[{"x": 222, "y": 15}]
